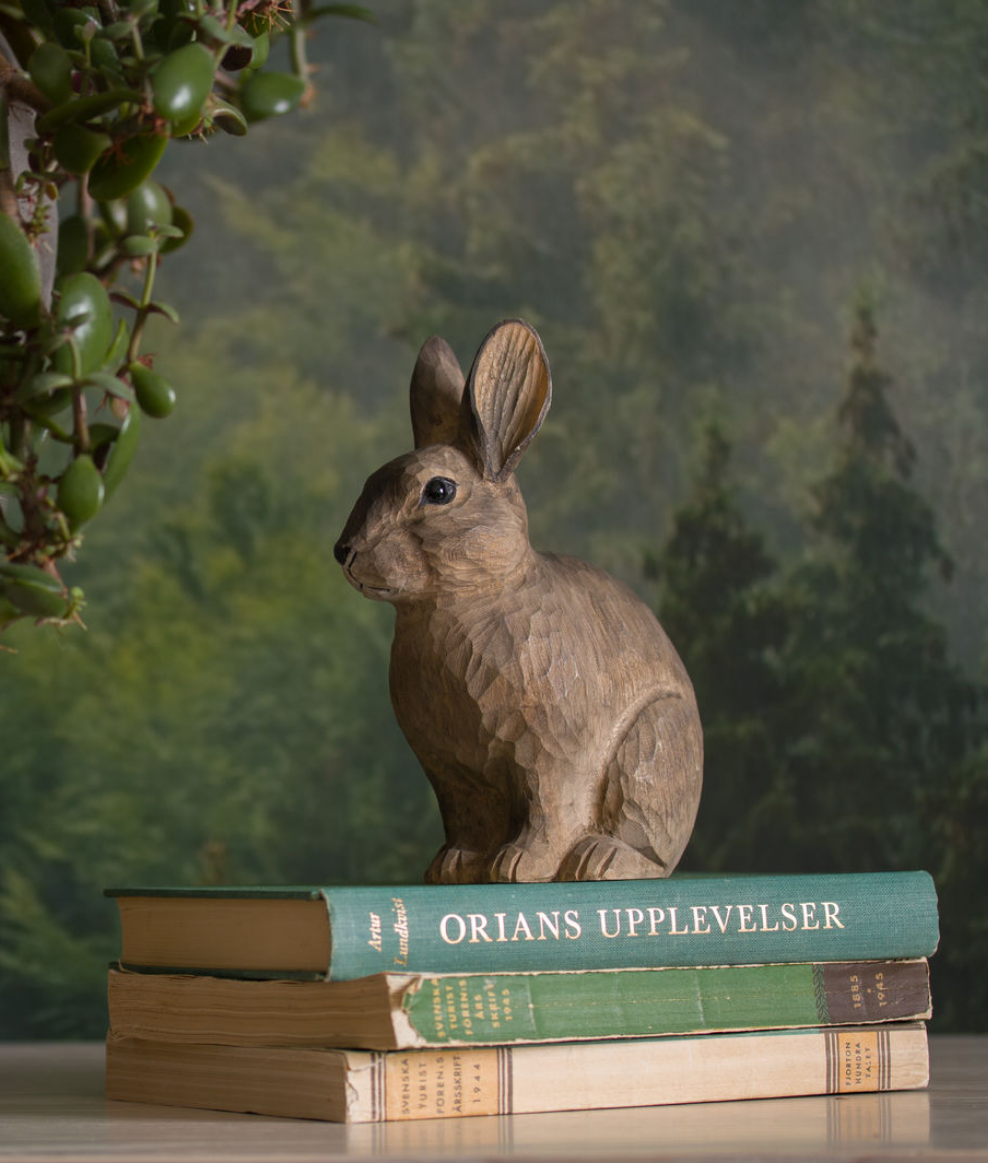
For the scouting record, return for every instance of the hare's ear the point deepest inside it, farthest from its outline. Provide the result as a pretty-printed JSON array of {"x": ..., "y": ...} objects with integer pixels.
[
  {"x": 435, "y": 394},
  {"x": 507, "y": 397}
]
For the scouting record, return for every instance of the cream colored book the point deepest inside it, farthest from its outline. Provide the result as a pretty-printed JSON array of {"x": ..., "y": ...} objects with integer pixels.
[{"x": 368, "y": 1086}]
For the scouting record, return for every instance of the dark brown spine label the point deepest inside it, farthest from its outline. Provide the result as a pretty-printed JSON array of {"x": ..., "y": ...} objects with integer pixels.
[{"x": 872, "y": 991}]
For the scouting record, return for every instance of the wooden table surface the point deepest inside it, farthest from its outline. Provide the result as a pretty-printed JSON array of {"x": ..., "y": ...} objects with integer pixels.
[{"x": 52, "y": 1107}]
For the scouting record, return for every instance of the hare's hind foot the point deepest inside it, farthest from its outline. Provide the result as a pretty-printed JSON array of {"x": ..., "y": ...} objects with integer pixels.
[
  {"x": 595, "y": 857},
  {"x": 455, "y": 866},
  {"x": 598, "y": 857},
  {"x": 517, "y": 864}
]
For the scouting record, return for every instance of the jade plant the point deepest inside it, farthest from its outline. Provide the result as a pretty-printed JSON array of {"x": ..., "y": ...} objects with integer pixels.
[{"x": 91, "y": 95}]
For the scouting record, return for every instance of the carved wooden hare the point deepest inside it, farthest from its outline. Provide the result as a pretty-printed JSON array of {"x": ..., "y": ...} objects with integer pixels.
[{"x": 546, "y": 704}]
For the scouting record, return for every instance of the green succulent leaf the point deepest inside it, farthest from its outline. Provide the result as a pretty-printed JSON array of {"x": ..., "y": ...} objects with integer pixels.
[
  {"x": 122, "y": 452},
  {"x": 270, "y": 95},
  {"x": 262, "y": 49},
  {"x": 183, "y": 223},
  {"x": 139, "y": 245},
  {"x": 77, "y": 148},
  {"x": 78, "y": 109},
  {"x": 84, "y": 307},
  {"x": 45, "y": 382},
  {"x": 51, "y": 70},
  {"x": 118, "y": 348},
  {"x": 112, "y": 385},
  {"x": 154, "y": 393},
  {"x": 102, "y": 434},
  {"x": 125, "y": 298},
  {"x": 32, "y": 591},
  {"x": 182, "y": 82},
  {"x": 142, "y": 8},
  {"x": 73, "y": 245},
  {"x": 80, "y": 491},
  {"x": 119, "y": 172},
  {"x": 148, "y": 206},
  {"x": 215, "y": 30},
  {"x": 348, "y": 11},
  {"x": 156, "y": 307},
  {"x": 20, "y": 286}
]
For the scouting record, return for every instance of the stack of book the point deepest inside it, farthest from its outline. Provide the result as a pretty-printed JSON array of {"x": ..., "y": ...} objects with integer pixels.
[{"x": 369, "y": 1004}]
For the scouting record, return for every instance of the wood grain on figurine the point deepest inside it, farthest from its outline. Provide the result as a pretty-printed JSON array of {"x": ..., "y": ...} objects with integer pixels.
[{"x": 548, "y": 708}]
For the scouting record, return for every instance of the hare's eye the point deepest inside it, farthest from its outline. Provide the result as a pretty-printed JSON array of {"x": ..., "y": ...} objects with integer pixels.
[{"x": 439, "y": 491}]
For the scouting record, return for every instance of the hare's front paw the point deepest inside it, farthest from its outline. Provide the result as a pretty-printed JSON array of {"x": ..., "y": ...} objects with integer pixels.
[
  {"x": 454, "y": 866},
  {"x": 598, "y": 857},
  {"x": 515, "y": 864}
]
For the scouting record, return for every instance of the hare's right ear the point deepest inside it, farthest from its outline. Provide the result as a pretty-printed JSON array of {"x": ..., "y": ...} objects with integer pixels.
[
  {"x": 435, "y": 394},
  {"x": 507, "y": 397}
]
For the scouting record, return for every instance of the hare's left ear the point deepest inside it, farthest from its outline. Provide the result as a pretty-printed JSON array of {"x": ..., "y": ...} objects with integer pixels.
[
  {"x": 435, "y": 394},
  {"x": 507, "y": 397}
]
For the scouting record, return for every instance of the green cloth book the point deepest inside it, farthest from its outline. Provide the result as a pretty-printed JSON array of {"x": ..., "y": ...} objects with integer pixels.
[
  {"x": 341, "y": 933},
  {"x": 409, "y": 1011}
]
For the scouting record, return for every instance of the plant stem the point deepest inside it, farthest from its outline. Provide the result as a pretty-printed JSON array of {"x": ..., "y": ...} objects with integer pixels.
[
  {"x": 80, "y": 420},
  {"x": 297, "y": 45},
  {"x": 8, "y": 195},
  {"x": 21, "y": 88},
  {"x": 143, "y": 310}
]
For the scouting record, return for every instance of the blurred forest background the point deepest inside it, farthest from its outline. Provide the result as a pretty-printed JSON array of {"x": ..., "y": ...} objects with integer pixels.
[{"x": 754, "y": 239}]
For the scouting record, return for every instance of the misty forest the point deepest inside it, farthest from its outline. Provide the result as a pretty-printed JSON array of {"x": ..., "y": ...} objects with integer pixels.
[{"x": 754, "y": 240}]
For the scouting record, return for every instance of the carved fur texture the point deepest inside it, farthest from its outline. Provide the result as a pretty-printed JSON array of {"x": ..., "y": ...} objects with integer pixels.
[{"x": 547, "y": 706}]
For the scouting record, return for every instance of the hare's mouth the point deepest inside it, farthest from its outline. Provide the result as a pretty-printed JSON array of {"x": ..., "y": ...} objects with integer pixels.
[
  {"x": 348, "y": 559},
  {"x": 376, "y": 593},
  {"x": 382, "y": 592}
]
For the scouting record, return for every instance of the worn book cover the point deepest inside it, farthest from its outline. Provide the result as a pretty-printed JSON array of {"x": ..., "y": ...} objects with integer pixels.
[
  {"x": 402, "y": 1011},
  {"x": 369, "y": 1086}
]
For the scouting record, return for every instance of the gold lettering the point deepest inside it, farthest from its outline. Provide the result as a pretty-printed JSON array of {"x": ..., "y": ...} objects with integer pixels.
[
  {"x": 809, "y": 913},
  {"x": 401, "y": 929},
  {"x": 699, "y": 918},
  {"x": 744, "y": 913},
  {"x": 478, "y": 928},
  {"x": 672, "y": 924},
  {"x": 722, "y": 922},
  {"x": 635, "y": 918},
  {"x": 602, "y": 913},
  {"x": 376, "y": 941},
  {"x": 763, "y": 909},
  {"x": 550, "y": 923},
  {"x": 444, "y": 928},
  {"x": 521, "y": 926},
  {"x": 830, "y": 911}
]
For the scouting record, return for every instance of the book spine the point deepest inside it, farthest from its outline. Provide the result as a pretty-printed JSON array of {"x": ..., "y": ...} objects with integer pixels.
[
  {"x": 525, "y": 1080},
  {"x": 405, "y": 1012},
  {"x": 631, "y": 924},
  {"x": 541, "y": 1007},
  {"x": 359, "y": 1086}
]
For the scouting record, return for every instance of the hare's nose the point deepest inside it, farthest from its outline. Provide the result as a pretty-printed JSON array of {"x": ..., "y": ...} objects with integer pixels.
[{"x": 341, "y": 552}]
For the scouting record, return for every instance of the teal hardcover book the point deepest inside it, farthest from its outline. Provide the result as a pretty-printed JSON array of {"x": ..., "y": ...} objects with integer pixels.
[{"x": 340, "y": 933}]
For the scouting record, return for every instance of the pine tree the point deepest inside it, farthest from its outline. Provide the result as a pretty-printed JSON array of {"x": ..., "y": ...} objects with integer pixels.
[
  {"x": 879, "y": 714},
  {"x": 719, "y": 605}
]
